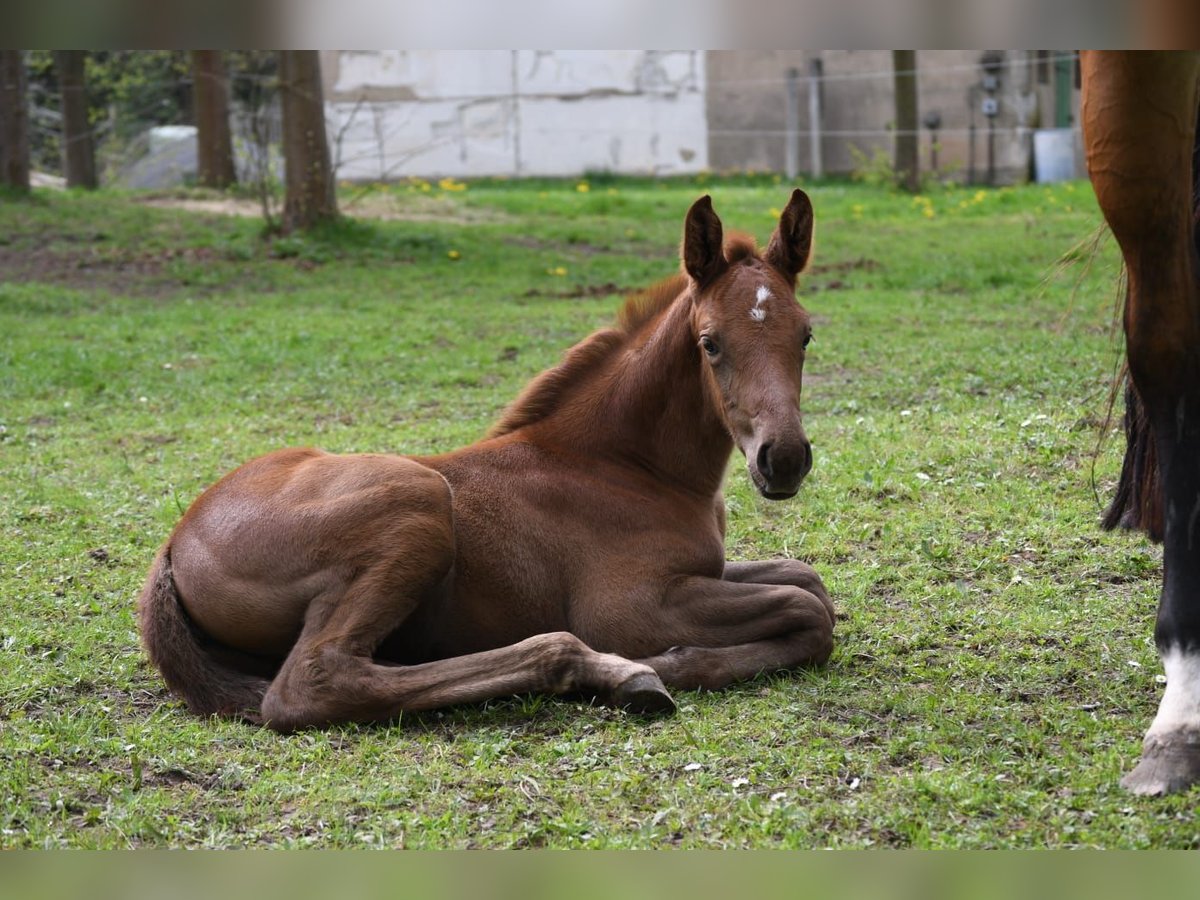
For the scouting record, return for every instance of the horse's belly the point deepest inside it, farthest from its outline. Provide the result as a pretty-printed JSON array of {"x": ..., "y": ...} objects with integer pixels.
[{"x": 577, "y": 562}]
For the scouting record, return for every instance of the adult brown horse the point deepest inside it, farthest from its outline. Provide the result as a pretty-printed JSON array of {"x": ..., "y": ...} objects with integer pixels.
[
  {"x": 579, "y": 547},
  {"x": 1139, "y": 123}
]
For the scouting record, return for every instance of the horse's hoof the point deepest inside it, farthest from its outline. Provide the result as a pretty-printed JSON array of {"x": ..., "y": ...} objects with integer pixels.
[
  {"x": 1167, "y": 766},
  {"x": 645, "y": 694}
]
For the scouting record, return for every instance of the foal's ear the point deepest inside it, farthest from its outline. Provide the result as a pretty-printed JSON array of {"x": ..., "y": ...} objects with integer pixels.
[
  {"x": 791, "y": 243},
  {"x": 702, "y": 239}
]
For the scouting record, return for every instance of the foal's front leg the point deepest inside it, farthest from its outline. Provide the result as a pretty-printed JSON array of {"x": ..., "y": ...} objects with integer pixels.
[{"x": 760, "y": 617}]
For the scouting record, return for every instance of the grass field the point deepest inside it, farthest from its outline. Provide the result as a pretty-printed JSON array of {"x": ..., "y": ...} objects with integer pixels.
[{"x": 994, "y": 670}]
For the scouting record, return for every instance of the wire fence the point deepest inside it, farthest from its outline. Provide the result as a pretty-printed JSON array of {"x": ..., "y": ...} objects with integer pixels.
[{"x": 728, "y": 121}]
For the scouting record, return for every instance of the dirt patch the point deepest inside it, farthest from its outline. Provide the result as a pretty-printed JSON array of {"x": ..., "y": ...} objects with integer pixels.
[
  {"x": 388, "y": 206},
  {"x": 608, "y": 289},
  {"x": 814, "y": 284},
  {"x": 378, "y": 205},
  {"x": 323, "y": 421},
  {"x": 175, "y": 777},
  {"x": 220, "y": 206},
  {"x": 136, "y": 273},
  {"x": 581, "y": 248},
  {"x": 862, "y": 264}
]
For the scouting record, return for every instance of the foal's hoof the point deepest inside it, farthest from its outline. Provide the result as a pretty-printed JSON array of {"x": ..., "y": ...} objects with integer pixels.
[
  {"x": 1167, "y": 766},
  {"x": 644, "y": 693}
]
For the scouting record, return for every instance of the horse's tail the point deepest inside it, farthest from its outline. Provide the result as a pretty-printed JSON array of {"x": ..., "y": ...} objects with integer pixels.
[
  {"x": 1137, "y": 503},
  {"x": 211, "y": 679}
]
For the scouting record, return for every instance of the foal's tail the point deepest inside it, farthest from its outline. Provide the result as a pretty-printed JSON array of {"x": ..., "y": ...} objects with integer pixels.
[{"x": 211, "y": 679}]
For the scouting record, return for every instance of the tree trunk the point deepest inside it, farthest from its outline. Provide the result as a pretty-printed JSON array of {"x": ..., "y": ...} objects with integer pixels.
[
  {"x": 904, "y": 69},
  {"x": 214, "y": 143},
  {"x": 78, "y": 149},
  {"x": 308, "y": 172},
  {"x": 14, "y": 122}
]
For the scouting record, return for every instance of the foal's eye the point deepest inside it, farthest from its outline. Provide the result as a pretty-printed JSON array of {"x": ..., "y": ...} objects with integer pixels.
[
  {"x": 709, "y": 345},
  {"x": 807, "y": 340}
]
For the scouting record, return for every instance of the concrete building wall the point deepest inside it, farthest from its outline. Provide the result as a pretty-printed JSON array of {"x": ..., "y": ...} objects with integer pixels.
[
  {"x": 428, "y": 113},
  {"x": 747, "y": 96}
]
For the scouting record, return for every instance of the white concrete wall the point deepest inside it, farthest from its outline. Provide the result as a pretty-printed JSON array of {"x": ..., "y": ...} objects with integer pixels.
[{"x": 468, "y": 113}]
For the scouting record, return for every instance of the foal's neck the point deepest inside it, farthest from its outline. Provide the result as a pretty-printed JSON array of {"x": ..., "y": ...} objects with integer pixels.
[{"x": 651, "y": 406}]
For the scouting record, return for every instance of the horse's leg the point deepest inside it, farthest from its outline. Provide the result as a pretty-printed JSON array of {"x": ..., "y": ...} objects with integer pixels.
[
  {"x": 1139, "y": 118},
  {"x": 760, "y": 617},
  {"x": 330, "y": 675}
]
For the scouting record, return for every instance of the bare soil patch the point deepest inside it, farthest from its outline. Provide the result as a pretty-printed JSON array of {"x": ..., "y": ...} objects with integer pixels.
[
  {"x": 607, "y": 289},
  {"x": 380, "y": 205},
  {"x": 136, "y": 273}
]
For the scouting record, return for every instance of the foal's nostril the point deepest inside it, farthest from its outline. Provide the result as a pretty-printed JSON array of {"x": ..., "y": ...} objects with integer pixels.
[
  {"x": 764, "y": 461},
  {"x": 784, "y": 466}
]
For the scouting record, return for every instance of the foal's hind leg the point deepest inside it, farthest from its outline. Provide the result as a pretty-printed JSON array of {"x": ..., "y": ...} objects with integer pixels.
[
  {"x": 330, "y": 676},
  {"x": 327, "y": 679},
  {"x": 760, "y": 617},
  {"x": 329, "y": 685}
]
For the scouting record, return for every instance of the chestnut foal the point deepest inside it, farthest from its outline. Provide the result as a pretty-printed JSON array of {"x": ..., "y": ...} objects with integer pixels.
[{"x": 578, "y": 547}]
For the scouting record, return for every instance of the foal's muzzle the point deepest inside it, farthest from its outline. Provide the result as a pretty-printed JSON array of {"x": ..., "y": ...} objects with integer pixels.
[{"x": 778, "y": 468}]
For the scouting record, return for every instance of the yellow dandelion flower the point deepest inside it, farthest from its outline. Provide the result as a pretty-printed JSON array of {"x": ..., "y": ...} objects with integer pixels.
[
  {"x": 556, "y": 270},
  {"x": 454, "y": 254},
  {"x": 979, "y": 197},
  {"x": 583, "y": 187},
  {"x": 928, "y": 212},
  {"x": 774, "y": 213}
]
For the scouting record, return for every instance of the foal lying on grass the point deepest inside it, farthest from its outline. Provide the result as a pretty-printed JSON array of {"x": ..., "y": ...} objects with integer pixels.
[{"x": 578, "y": 547}]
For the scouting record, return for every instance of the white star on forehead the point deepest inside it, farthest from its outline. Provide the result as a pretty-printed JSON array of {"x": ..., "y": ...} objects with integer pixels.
[{"x": 758, "y": 313}]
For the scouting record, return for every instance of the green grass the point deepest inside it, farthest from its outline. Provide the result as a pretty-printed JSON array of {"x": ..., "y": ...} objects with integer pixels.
[{"x": 994, "y": 670}]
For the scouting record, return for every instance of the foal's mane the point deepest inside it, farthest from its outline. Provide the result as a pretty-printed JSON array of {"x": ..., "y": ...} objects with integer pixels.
[{"x": 543, "y": 395}]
